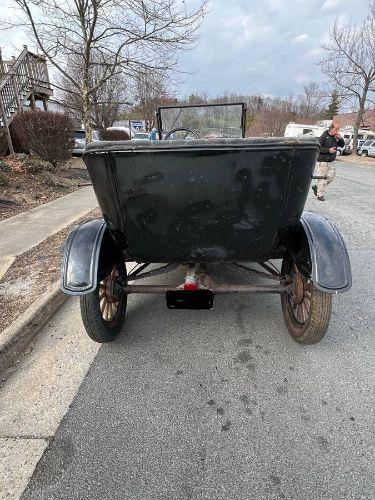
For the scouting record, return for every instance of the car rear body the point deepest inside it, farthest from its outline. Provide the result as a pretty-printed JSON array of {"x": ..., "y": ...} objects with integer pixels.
[
  {"x": 79, "y": 142},
  {"x": 368, "y": 149},
  {"x": 141, "y": 136}
]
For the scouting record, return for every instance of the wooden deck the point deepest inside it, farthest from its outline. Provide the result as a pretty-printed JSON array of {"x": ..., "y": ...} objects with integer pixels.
[{"x": 23, "y": 80}]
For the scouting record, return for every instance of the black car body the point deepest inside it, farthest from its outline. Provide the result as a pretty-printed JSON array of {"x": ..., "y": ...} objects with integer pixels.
[{"x": 222, "y": 199}]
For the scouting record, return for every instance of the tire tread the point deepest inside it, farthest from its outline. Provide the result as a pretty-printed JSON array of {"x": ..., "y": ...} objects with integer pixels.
[
  {"x": 95, "y": 326},
  {"x": 320, "y": 314}
]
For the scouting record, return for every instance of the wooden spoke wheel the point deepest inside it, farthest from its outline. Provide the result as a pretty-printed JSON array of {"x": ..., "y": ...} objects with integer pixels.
[
  {"x": 103, "y": 310},
  {"x": 300, "y": 301},
  {"x": 307, "y": 310},
  {"x": 108, "y": 299}
]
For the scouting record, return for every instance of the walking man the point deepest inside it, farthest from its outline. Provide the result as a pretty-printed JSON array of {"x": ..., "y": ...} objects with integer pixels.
[{"x": 325, "y": 166}]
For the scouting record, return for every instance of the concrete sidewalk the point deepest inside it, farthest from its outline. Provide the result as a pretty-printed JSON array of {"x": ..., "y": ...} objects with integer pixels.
[{"x": 23, "y": 231}]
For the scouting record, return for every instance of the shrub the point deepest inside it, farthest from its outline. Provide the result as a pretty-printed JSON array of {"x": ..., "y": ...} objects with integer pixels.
[
  {"x": 49, "y": 179},
  {"x": 4, "y": 167},
  {"x": 16, "y": 162},
  {"x": 4, "y": 180},
  {"x": 47, "y": 134},
  {"x": 114, "y": 135},
  {"x": 34, "y": 165}
]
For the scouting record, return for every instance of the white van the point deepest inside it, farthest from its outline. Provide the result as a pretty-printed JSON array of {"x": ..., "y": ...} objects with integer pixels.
[
  {"x": 363, "y": 134},
  {"x": 298, "y": 129}
]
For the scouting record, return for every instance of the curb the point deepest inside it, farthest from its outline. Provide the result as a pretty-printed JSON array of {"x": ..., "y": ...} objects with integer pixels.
[
  {"x": 5, "y": 263},
  {"x": 19, "y": 334}
]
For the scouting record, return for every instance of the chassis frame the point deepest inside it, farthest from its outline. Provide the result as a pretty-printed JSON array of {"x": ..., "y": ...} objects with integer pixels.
[{"x": 199, "y": 274}]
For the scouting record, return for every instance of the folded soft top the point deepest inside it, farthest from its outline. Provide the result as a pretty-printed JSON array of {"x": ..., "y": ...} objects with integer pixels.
[{"x": 253, "y": 142}]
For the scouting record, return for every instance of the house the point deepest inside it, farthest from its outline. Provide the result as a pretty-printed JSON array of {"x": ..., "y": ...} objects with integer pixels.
[{"x": 348, "y": 119}]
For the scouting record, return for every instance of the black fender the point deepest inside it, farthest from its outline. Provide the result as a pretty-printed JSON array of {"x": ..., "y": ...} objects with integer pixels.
[
  {"x": 330, "y": 264},
  {"x": 89, "y": 250}
]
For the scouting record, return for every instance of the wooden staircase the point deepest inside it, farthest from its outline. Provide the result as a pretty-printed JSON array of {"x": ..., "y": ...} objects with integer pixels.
[{"x": 22, "y": 80}]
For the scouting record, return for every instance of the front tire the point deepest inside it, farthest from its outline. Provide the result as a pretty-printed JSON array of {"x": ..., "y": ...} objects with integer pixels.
[
  {"x": 307, "y": 312},
  {"x": 103, "y": 310},
  {"x": 365, "y": 153}
]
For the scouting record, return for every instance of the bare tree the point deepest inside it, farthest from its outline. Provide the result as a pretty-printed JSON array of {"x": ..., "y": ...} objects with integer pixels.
[
  {"x": 349, "y": 62},
  {"x": 150, "y": 91},
  {"x": 311, "y": 101},
  {"x": 272, "y": 117},
  {"x": 130, "y": 34},
  {"x": 106, "y": 101}
]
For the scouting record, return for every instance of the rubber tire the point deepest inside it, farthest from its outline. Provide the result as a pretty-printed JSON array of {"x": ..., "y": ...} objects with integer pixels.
[
  {"x": 97, "y": 329},
  {"x": 365, "y": 153},
  {"x": 338, "y": 153},
  {"x": 314, "y": 329}
]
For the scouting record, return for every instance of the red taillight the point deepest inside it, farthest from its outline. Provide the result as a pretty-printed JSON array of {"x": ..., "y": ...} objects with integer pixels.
[{"x": 190, "y": 286}]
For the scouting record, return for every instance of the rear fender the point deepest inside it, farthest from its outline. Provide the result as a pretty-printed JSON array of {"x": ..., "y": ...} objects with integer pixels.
[
  {"x": 330, "y": 265},
  {"x": 89, "y": 251}
]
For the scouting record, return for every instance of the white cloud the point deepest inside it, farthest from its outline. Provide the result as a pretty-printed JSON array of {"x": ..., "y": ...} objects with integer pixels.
[
  {"x": 314, "y": 52},
  {"x": 300, "y": 38},
  {"x": 275, "y": 5},
  {"x": 330, "y": 5},
  {"x": 13, "y": 39},
  {"x": 243, "y": 28},
  {"x": 301, "y": 78}
]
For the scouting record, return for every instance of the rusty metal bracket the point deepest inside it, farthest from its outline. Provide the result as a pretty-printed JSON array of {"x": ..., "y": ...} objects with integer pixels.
[{"x": 218, "y": 289}]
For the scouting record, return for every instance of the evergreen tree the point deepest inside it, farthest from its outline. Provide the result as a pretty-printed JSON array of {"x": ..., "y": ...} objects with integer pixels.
[{"x": 333, "y": 107}]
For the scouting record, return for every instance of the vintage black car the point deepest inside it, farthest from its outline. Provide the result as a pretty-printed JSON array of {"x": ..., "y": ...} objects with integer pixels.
[{"x": 205, "y": 194}]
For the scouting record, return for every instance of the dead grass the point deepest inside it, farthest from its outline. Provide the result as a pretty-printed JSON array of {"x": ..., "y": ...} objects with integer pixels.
[
  {"x": 24, "y": 185},
  {"x": 32, "y": 273},
  {"x": 359, "y": 160}
]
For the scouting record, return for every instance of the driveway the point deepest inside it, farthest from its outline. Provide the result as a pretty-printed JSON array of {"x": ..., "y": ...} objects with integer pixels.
[{"x": 223, "y": 404}]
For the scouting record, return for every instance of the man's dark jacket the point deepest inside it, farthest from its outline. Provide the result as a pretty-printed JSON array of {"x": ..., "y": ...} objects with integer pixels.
[{"x": 326, "y": 142}]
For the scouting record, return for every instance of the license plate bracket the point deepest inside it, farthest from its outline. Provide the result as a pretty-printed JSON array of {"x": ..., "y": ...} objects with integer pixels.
[{"x": 190, "y": 299}]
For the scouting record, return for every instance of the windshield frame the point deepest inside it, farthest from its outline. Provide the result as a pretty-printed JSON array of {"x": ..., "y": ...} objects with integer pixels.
[{"x": 182, "y": 106}]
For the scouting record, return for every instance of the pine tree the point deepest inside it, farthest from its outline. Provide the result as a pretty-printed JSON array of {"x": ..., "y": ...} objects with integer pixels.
[{"x": 333, "y": 107}]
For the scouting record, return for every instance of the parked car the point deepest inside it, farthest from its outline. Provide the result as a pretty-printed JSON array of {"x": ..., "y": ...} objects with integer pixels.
[
  {"x": 360, "y": 143},
  {"x": 347, "y": 149},
  {"x": 368, "y": 149},
  {"x": 141, "y": 136},
  {"x": 79, "y": 142},
  {"x": 191, "y": 204}
]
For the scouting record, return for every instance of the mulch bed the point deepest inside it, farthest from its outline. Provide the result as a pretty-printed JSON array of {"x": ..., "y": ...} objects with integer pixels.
[
  {"x": 32, "y": 273},
  {"x": 24, "y": 185}
]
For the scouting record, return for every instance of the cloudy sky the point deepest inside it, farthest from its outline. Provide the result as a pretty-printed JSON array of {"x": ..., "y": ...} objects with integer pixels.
[
  {"x": 267, "y": 47},
  {"x": 263, "y": 47}
]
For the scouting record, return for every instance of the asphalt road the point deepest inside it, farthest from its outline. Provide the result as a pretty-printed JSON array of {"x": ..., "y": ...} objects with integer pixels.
[{"x": 224, "y": 404}]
